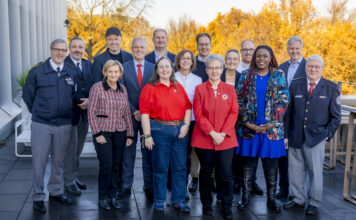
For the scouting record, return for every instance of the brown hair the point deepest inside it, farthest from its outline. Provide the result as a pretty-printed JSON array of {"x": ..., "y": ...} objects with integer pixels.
[
  {"x": 179, "y": 55},
  {"x": 155, "y": 77}
]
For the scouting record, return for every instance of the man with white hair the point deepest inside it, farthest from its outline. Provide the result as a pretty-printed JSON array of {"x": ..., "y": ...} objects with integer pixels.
[{"x": 312, "y": 118}]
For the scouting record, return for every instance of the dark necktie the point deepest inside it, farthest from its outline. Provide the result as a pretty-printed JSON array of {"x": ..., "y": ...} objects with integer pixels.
[
  {"x": 78, "y": 69},
  {"x": 311, "y": 88},
  {"x": 59, "y": 71},
  {"x": 139, "y": 74}
]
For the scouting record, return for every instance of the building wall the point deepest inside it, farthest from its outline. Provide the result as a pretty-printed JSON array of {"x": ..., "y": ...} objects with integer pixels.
[{"x": 26, "y": 29}]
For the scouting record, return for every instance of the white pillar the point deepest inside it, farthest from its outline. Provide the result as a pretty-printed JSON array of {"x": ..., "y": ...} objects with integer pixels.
[
  {"x": 33, "y": 34},
  {"x": 39, "y": 35},
  {"x": 25, "y": 35},
  {"x": 44, "y": 29}
]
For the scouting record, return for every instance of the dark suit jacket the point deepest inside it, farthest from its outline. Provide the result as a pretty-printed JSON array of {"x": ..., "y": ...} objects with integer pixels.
[
  {"x": 200, "y": 70},
  {"x": 313, "y": 118},
  {"x": 100, "y": 60},
  {"x": 84, "y": 83},
  {"x": 130, "y": 81},
  {"x": 300, "y": 71},
  {"x": 152, "y": 58},
  {"x": 223, "y": 77}
]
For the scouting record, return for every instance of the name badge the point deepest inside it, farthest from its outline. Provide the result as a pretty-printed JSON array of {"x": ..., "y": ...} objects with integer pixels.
[
  {"x": 323, "y": 97},
  {"x": 69, "y": 81},
  {"x": 298, "y": 96}
]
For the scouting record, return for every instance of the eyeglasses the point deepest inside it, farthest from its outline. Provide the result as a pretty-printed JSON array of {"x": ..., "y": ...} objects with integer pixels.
[
  {"x": 217, "y": 68},
  {"x": 185, "y": 58},
  {"x": 232, "y": 59},
  {"x": 313, "y": 67},
  {"x": 251, "y": 50},
  {"x": 161, "y": 67},
  {"x": 59, "y": 50},
  {"x": 203, "y": 44}
]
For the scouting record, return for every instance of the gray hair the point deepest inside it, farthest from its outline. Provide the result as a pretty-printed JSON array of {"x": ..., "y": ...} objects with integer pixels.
[
  {"x": 246, "y": 41},
  {"x": 57, "y": 41},
  {"x": 76, "y": 38},
  {"x": 294, "y": 39},
  {"x": 213, "y": 57},
  {"x": 159, "y": 29},
  {"x": 139, "y": 39},
  {"x": 317, "y": 58}
]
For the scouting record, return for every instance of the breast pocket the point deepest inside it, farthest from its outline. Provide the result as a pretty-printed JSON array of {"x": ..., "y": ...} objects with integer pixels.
[{"x": 46, "y": 88}]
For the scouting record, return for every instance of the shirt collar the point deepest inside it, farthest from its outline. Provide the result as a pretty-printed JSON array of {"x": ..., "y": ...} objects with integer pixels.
[
  {"x": 75, "y": 62},
  {"x": 200, "y": 59},
  {"x": 54, "y": 66},
  {"x": 135, "y": 63},
  {"x": 107, "y": 87},
  {"x": 298, "y": 62},
  {"x": 157, "y": 56},
  {"x": 158, "y": 83},
  {"x": 316, "y": 83}
]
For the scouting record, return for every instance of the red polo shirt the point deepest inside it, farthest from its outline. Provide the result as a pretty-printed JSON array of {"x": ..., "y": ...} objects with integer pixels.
[{"x": 163, "y": 102}]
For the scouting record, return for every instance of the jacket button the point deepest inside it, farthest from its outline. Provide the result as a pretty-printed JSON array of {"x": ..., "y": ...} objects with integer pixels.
[
  {"x": 305, "y": 118},
  {"x": 305, "y": 126},
  {"x": 308, "y": 103},
  {"x": 83, "y": 89},
  {"x": 306, "y": 110}
]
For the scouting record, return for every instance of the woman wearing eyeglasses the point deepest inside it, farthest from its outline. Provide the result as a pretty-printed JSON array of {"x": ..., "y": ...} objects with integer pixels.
[
  {"x": 166, "y": 113},
  {"x": 214, "y": 138}
]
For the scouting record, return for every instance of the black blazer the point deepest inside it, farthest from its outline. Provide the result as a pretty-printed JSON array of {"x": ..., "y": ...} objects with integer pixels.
[
  {"x": 298, "y": 74},
  {"x": 223, "y": 77},
  {"x": 313, "y": 118},
  {"x": 200, "y": 70},
  {"x": 151, "y": 57}
]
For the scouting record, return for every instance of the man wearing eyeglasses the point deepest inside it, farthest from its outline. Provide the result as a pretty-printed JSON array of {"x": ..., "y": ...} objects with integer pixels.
[
  {"x": 247, "y": 49},
  {"x": 204, "y": 47},
  {"x": 49, "y": 95}
]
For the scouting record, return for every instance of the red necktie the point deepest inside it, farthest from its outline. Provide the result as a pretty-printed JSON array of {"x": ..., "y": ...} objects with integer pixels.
[
  {"x": 139, "y": 74},
  {"x": 311, "y": 88}
]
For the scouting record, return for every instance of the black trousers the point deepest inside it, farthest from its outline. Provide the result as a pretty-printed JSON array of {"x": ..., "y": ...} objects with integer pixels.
[
  {"x": 267, "y": 163},
  {"x": 110, "y": 159},
  {"x": 283, "y": 174},
  {"x": 190, "y": 133},
  {"x": 223, "y": 162}
]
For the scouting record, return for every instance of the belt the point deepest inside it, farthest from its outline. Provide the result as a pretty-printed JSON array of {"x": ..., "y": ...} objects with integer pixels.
[{"x": 170, "y": 123}]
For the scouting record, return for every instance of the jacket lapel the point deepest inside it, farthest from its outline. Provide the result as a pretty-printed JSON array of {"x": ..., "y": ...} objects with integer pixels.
[{"x": 146, "y": 74}]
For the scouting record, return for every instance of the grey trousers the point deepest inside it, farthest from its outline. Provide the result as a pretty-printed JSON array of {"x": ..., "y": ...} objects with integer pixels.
[
  {"x": 74, "y": 149},
  {"x": 45, "y": 140},
  {"x": 307, "y": 161}
]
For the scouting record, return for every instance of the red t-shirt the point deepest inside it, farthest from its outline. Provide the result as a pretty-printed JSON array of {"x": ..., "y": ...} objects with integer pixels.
[{"x": 163, "y": 102}]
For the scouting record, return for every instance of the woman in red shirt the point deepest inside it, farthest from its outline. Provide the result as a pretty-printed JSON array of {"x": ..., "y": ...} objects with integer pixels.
[
  {"x": 110, "y": 122},
  {"x": 214, "y": 138},
  {"x": 165, "y": 114}
]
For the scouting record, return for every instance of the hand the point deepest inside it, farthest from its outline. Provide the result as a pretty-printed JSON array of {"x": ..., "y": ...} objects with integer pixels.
[
  {"x": 183, "y": 131},
  {"x": 149, "y": 143},
  {"x": 101, "y": 139},
  {"x": 218, "y": 138},
  {"x": 129, "y": 141},
  {"x": 84, "y": 104},
  {"x": 268, "y": 126},
  {"x": 286, "y": 143},
  {"x": 137, "y": 115}
]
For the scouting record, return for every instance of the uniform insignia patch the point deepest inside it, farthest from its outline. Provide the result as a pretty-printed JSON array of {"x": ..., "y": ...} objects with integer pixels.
[
  {"x": 338, "y": 100},
  {"x": 225, "y": 96}
]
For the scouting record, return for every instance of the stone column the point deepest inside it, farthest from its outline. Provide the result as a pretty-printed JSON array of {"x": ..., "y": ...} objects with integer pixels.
[
  {"x": 33, "y": 34},
  {"x": 25, "y": 35},
  {"x": 39, "y": 35}
]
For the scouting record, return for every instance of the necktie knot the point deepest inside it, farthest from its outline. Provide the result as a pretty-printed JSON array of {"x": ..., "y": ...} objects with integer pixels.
[
  {"x": 312, "y": 84},
  {"x": 58, "y": 69},
  {"x": 139, "y": 65}
]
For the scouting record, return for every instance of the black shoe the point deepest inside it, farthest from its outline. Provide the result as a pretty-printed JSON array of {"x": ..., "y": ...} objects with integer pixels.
[
  {"x": 273, "y": 206},
  {"x": 115, "y": 203},
  {"x": 149, "y": 193},
  {"x": 292, "y": 204},
  {"x": 124, "y": 193},
  {"x": 193, "y": 186},
  {"x": 73, "y": 189},
  {"x": 227, "y": 213},
  {"x": 61, "y": 198},
  {"x": 246, "y": 188},
  {"x": 282, "y": 194},
  {"x": 256, "y": 189},
  {"x": 80, "y": 184},
  {"x": 104, "y": 204},
  {"x": 39, "y": 206},
  {"x": 311, "y": 210},
  {"x": 207, "y": 211}
]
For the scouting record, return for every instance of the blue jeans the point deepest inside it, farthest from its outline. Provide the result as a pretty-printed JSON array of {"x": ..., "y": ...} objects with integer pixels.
[{"x": 168, "y": 149}]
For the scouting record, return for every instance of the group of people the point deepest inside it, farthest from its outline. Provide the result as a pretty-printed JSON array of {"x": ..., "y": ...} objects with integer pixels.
[{"x": 205, "y": 116}]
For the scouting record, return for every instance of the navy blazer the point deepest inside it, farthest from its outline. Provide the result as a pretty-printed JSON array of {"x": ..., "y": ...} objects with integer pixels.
[
  {"x": 200, "y": 70},
  {"x": 130, "y": 81},
  {"x": 223, "y": 77},
  {"x": 100, "y": 60},
  {"x": 311, "y": 119},
  {"x": 84, "y": 83},
  {"x": 298, "y": 74},
  {"x": 151, "y": 57}
]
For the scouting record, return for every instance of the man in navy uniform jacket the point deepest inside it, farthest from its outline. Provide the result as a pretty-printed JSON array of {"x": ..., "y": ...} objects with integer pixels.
[
  {"x": 137, "y": 72},
  {"x": 312, "y": 117},
  {"x": 113, "y": 42},
  {"x": 293, "y": 68},
  {"x": 160, "y": 40}
]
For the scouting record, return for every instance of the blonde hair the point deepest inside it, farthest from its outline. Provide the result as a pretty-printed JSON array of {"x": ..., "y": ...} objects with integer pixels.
[{"x": 111, "y": 63}]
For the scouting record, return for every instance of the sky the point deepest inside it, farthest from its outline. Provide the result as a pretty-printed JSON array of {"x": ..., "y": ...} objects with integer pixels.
[{"x": 204, "y": 11}]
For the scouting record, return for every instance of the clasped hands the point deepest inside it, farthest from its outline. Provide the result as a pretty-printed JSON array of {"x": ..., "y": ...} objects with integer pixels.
[
  {"x": 260, "y": 128},
  {"x": 218, "y": 138}
]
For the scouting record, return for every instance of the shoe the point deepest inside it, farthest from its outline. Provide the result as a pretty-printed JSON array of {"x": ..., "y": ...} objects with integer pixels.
[
  {"x": 149, "y": 193},
  {"x": 80, "y": 184},
  {"x": 256, "y": 189},
  {"x": 104, "y": 204},
  {"x": 182, "y": 207},
  {"x": 158, "y": 206},
  {"x": 115, "y": 203},
  {"x": 282, "y": 194},
  {"x": 207, "y": 210},
  {"x": 311, "y": 210},
  {"x": 61, "y": 198},
  {"x": 271, "y": 182},
  {"x": 193, "y": 186},
  {"x": 39, "y": 206},
  {"x": 246, "y": 188},
  {"x": 73, "y": 189},
  {"x": 124, "y": 193},
  {"x": 227, "y": 213},
  {"x": 292, "y": 204}
]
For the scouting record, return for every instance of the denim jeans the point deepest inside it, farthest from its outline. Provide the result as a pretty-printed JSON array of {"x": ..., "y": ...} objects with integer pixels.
[{"x": 168, "y": 149}]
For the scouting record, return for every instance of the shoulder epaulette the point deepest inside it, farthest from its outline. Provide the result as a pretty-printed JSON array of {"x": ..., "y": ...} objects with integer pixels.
[
  {"x": 37, "y": 65},
  {"x": 297, "y": 78}
]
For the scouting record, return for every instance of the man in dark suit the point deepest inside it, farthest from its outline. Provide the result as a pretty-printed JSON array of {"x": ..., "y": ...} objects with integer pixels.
[
  {"x": 204, "y": 46},
  {"x": 80, "y": 118},
  {"x": 312, "y": 117},
  {"x": 160, "y": 40},
  {"x": 293, "y": 68},
  {"x": 113, "y": 42},
  {"x": 137, "y": 72}
]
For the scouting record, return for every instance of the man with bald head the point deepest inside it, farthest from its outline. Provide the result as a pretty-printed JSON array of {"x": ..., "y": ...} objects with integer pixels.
[{"x": 247, "y": 49}]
